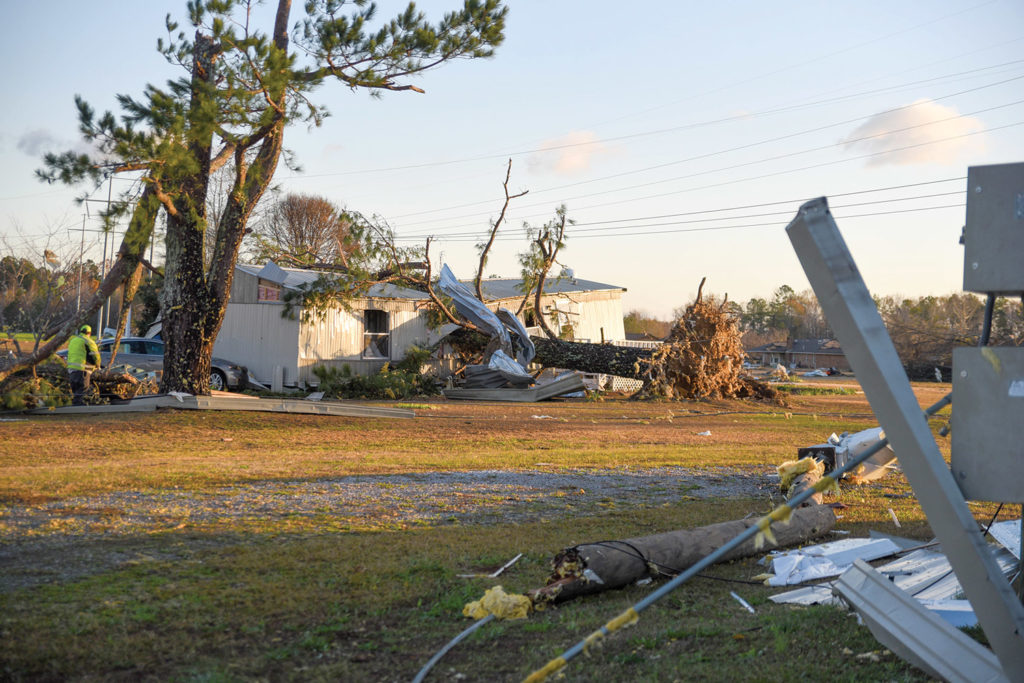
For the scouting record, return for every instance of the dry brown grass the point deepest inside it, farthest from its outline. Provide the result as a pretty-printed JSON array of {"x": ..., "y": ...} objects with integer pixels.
[{"x": 292, "y": 602}]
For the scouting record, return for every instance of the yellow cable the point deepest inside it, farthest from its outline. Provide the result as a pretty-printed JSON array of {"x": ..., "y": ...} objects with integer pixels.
[
  {"x": 549, "y": 668},
  {"x": 627, "y": 618}
]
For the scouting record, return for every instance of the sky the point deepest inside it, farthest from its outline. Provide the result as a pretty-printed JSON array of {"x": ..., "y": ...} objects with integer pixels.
[{"x": 681, "y": 137}]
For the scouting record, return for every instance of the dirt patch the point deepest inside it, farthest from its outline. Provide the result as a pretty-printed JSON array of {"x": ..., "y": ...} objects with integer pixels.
[{"x": 58, "y": 541}]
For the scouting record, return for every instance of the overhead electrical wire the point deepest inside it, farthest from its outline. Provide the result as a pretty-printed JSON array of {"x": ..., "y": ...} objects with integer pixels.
[
  {"x": 743, "y": 207},
  {"x": 579, "y": 229},
  {"x": 715, "y": 170},
  {"x": 638, "y": 233},
  {"x": 745, "y": 179},
  {"x": 954, "y": 76},
  {"x": 688, "y": 126}
]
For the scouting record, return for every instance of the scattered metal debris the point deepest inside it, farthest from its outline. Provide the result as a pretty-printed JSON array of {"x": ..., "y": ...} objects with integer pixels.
[
  {"x": 1008, "y": 534},
  {"x": 542, "y": 392},
  {"x": 504, "y": 375},
  {"x": 231, "y": 402},
  {"x": 790, "y": 567},
  {"x": 900, "y": 623},
  {"x": 495, "y": 574},
  {"x": 743, "y": 603}
]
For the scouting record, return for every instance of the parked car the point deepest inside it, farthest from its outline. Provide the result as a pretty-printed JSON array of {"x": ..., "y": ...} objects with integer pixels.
[{"x": 148, "y": 354}]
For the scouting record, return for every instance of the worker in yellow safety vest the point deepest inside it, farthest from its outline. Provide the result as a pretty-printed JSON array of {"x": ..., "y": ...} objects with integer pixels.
[{"x": 83, "y": 358}]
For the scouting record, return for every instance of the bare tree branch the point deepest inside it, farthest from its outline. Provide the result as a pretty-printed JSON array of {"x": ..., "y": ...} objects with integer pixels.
[{"x": 494, "y": 232}]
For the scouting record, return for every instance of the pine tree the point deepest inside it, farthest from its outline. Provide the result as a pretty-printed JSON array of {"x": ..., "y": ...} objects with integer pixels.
[{"x": 242, "y": 88}]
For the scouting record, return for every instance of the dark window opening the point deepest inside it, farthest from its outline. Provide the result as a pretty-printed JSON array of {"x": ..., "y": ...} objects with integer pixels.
[{"x": 375, "y": 334}]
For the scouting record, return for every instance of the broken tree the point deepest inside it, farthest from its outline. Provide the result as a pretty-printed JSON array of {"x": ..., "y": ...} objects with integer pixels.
[
  {"x": 240, "y": 89},
  {"x": 702, "y": 357}
]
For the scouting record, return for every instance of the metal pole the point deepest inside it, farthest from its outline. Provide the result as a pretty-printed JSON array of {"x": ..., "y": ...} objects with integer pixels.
[
  {"x": 100, "y": 318},
  {"x": 81, "y": 258},
  {"x": 986, "y": 325},
  {"x": 850, "y": 310}
]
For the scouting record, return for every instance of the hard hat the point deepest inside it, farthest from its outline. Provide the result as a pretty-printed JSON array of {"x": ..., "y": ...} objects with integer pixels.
[{"x": 85, "y": 329}]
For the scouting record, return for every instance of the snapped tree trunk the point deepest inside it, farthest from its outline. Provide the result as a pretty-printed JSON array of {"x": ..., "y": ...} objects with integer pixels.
[
  {"x": 596, "y": 567},
  {"x": 605, "y": 359}
]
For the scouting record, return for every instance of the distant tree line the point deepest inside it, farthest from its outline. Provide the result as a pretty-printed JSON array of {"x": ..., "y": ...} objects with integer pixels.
[{"x": 924, "y": 329}]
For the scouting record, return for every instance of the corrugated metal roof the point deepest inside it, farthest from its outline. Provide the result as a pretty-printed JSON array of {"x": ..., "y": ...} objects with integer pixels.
[
  {"x": 494, "y": 288},
  {"x": 510, "y": 288},
  {"x": 824, "y": 346},
  {"x": 295, "y": 278}
]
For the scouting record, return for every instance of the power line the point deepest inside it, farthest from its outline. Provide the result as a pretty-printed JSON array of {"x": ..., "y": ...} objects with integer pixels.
[
  {"x": 640, "y": 233},
  {"x": 688, "y": 126},
  {"x": 786, "y": 201},
  {"x": 741, "y": 207},
  {"x": 577, "y": 230},
  {"x": 749, "y": 178},
  {"x": 719, "y": 152}
]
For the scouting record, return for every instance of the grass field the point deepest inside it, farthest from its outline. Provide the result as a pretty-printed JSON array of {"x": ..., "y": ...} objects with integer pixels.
[{"x": 216, "y": 594}]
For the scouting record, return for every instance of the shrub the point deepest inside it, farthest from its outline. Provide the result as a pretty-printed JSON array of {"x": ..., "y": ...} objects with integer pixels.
[
  {"x": 403, "y": 381},
  {"x": 34, "y": 392}
]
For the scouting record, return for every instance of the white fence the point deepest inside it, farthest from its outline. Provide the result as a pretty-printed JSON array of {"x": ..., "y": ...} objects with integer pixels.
[{"x": 627, "y": 384}]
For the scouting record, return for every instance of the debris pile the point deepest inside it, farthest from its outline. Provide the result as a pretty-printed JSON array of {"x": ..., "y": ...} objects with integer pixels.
[
  {"x": 503, "y": 374},
  {"x": 47, "y": 386},
  {"x": 703, "y": 358},
  {"x": 124, "y": 382}
]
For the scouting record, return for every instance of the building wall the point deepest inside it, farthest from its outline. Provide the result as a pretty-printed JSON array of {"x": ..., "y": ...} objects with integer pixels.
[
  {"x": 336, "y": 339},
  {"x": 590, "y": 313},
  {"x": 243, "y": 288},
  {"x": 256, "y": 336},
  {"x": 600, "y": 317}
]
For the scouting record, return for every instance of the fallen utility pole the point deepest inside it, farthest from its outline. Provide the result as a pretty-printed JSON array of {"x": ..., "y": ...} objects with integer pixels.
[
  {"x": 763, "y": 525},
  {"x": 595, "y": 567}
]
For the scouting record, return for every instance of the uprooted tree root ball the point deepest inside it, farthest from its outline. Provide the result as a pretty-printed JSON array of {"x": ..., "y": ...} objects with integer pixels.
[{"x": 703, "y": 358}]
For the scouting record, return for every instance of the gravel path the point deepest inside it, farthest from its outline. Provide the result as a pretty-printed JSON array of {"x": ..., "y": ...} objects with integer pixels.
[{"x": 71, "y": 538}]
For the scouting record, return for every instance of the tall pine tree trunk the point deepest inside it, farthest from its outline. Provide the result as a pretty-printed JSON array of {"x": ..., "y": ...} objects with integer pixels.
[
  {"x": 604, "y": 359},
  {"x": 195, "y": 296},
  {"x": 185, "y": 300}
]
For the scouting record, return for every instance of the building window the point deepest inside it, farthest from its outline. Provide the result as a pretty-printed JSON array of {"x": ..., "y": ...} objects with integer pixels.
[
  {"x": 268, "y": 291},
  {"x": 375, "y": 334}
]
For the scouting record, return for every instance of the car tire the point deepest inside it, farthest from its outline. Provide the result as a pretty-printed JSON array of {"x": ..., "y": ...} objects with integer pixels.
[{"x": 218, "y": 382}]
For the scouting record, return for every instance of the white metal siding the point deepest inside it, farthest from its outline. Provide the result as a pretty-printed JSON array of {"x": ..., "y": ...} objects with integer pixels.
[
  {"x": 599, "y": 314},
  {"x": 256, "y": 336},
  {"x": 338, "y": 334},
  {"x": 337, "y": 339}
]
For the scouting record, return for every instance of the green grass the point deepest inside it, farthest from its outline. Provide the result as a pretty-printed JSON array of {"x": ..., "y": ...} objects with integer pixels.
[
  {"x": 308, "y": 599},
  {"x": 810, "y": 390}
]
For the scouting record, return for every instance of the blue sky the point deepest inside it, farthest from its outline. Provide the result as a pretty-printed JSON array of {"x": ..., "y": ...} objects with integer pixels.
[{"x": 656, "y": 125}]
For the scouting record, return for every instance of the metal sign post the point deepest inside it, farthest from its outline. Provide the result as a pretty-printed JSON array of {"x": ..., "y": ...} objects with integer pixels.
[{"x": 853, "y": 315}]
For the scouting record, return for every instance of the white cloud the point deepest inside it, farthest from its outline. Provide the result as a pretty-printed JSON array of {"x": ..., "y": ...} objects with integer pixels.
[
  {"x": 922, "y": 141},
  {"x": 570, "y": 154},
  {"x": 35, "y": 142}
]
